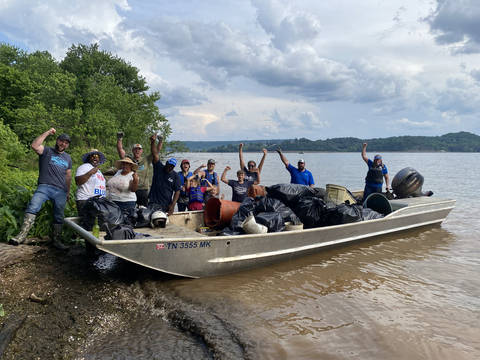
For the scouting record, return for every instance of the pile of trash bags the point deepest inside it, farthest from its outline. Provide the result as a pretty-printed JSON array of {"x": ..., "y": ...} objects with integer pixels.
[
  {"x": 110, "y": 216},
  {"x": 296, "y": 204}
]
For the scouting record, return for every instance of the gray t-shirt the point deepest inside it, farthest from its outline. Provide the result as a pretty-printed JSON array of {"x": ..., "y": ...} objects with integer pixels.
[
  {"x": 239, "y": 191},
  {"x": 250, "y": 176},
  {"x": 53, "y": 168}
]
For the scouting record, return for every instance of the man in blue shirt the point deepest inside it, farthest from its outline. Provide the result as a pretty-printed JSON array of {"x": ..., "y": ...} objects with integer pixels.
[{"x": 298, "y": 175}]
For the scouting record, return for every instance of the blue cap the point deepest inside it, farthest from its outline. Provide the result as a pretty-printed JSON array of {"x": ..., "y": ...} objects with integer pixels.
[
  {"x": 172, "y": 161},
  {"x": 377, "y": 157}
]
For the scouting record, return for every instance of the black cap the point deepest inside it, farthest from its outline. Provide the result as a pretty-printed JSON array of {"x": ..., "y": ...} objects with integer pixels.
[{"x": 64, "y": 137}]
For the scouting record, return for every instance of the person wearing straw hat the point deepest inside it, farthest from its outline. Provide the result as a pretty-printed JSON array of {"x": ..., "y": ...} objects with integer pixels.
[
  {"x": 298, "y": 175},
  {"x": 143, "y": 163},
  {"x": 122, "y": 186},
  {"x": 376, "y": 172},
  {"x": 89, "y": 178},
  {"x": 166, "y": 184},
  {"x": 54, "y": 180}
]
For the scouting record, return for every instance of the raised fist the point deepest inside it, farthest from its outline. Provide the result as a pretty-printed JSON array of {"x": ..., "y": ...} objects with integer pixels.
[
  {"x": 120, "y": 135},
  {"x": 279, "y": 150}
]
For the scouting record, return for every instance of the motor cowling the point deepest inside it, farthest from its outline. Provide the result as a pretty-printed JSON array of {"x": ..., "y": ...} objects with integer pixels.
[{"x": 408, "y": 182}]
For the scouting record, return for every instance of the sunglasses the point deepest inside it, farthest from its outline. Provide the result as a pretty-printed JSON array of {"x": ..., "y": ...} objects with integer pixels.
[
  {"x": 95, "y": 156},
  {"x": 251, "y": 165}
]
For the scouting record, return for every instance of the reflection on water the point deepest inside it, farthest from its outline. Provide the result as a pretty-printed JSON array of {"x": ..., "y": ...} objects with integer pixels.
[{"x": 413, "y": 295}]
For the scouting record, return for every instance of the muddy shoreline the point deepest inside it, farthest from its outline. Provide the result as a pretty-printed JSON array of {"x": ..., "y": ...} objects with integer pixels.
[{"x": 73, "y": 307}]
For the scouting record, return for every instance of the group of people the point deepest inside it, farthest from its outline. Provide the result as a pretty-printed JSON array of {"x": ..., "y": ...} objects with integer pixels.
[{"x": 130, "y": 186}]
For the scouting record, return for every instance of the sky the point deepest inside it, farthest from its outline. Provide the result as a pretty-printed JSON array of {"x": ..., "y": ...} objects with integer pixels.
[{"x": 278, "y": 69}]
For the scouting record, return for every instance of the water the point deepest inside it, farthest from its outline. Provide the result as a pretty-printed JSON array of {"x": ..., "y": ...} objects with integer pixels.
[{"x": 414, "y": 295}]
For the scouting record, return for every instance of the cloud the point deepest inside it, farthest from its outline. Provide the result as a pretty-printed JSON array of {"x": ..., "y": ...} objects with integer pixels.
[
  {"x": 405, "y": 123},
  {"x": 180, "y": 96},
  {"x": 457, "y": 23},
  {"x": 312, "y": 122},
  {"x": 231, "y": 113}
]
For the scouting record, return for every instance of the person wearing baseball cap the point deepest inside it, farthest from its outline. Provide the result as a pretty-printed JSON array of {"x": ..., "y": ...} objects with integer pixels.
[
  {"x": 377, "y": 171},
  {"x": 208, "y": 174},
  {"x": 54, "y": 180},
  {"x": 166, "y": 184},
  {"x": 298, "y": 175},
  {"x": 143, "y": 163},
  {"x": 184, "y": 174}
]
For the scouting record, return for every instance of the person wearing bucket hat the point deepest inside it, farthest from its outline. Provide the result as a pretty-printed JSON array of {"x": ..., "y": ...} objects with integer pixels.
[
  {"x": 166, "y": 184},
  {"x": 377, "y": 171},
  {"x": 208, "y": 174},
  {"x": 298, "y": 175},
  {"x": 122, "y": 186},
  {"x": 54, "y": 180},
  {"x": 144, "y": 163},
  {"x": 184, "y": 174},
  {"x": 89, "y": 178}
]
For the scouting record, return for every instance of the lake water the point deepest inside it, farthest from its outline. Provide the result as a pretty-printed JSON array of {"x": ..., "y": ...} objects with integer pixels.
[{"x": 414, "y": 295}]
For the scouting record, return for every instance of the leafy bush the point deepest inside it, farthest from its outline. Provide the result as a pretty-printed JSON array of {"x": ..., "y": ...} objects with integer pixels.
[{"x": 16, "y": 190}]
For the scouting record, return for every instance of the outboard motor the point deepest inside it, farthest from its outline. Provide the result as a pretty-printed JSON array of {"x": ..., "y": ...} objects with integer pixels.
[{"x": 408, "y": 182}]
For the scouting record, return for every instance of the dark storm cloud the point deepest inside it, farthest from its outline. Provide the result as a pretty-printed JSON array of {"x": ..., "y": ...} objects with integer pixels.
[
  {"x": 457, "y": 22},
  {"x": 218, "y": 55}
]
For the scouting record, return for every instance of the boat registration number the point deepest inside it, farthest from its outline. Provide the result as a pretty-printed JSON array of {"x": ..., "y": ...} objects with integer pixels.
[{"x": 183, "y": 245}]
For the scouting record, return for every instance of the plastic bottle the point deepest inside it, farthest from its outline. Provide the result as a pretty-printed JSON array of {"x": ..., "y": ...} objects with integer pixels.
[{"x": 96, "y": 229}]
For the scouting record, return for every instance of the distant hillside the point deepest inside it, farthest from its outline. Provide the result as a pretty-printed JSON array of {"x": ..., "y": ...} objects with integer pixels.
[{"x": 452, "y": 142}]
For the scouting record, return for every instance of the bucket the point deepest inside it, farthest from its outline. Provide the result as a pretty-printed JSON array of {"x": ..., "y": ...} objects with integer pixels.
[
  {"x": 219, "y": 212},
  {"x": 339, "y": 194},
  {"x": 256, "y": 190},
  {"x": 379, "y": 203},
  {"x": 251, "y": 226}
]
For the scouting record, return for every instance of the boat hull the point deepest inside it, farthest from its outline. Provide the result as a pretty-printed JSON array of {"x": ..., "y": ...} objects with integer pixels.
[{"x": 194, "y": 255}]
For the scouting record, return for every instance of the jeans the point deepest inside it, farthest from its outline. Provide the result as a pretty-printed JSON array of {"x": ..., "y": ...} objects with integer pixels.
[
  {"x": 125, "y": 205},
  {"x": 370, "y": 190},
  {"x": 57, "y": 196}
]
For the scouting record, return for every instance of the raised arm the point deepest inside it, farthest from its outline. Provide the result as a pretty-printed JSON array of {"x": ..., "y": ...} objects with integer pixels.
[
  {"x": 199, "y": 171},
  {"x": 153, "y": 149},
  {"x": 210, "y": 186},
  {"x": 282, "y": 157},
  {"x": 134, "y": 183},
  {"x": 160, "y": 143},
  {"x": 364, "y": 153},
  {"x": 37, "y": 143},
  {"x": 258, "y": 177},
  {"x": 120, "y": 150},
  {"x": 224, "y": 175},
  {"x": 262, "y": 161},
  {"x": 240, "y": 155}
]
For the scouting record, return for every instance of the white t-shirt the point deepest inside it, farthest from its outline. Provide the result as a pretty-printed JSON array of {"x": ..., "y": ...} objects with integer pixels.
[
  {"x": 118, "y": 187},
  {"x": 94, "y": 186}
]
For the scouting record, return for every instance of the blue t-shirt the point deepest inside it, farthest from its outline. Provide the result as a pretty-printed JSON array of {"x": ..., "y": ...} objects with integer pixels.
[
  {"x": 239, "y": 191},
  {"x": 300, "y": 177},
  {"x": 250, "y": 176},
  {"x": 373, "y": 184},
  {"x": 183, "y": 179},
  {"x": 163, "y": 185},
  {"x": 53, "y": 168}
]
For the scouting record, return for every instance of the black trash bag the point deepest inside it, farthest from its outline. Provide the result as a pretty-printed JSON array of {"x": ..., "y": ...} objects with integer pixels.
[
  {"x": 311, "y": 211},
  {"x": 320, "y": 192},
  {"x": 105, "y": 210},
  {"x": 272, "y": 220},
  {"x": 245, "y": 210},
  {"x": 369, "y": 214},
  {"x": 143, "y": 217},
  {"x": 229, "y": 232},
  {"x": 290, "y": 194},
  {"x": 274, "y": 205},
  {"x": 342, "y": 214},
  {"x": 130, "y": 217},
  {"x": 121, "y": 232}
]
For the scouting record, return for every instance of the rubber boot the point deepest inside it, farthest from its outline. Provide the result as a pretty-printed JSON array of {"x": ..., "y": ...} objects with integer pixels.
[
  {"x": 28, "y": 221},
  {"x": 57, "y": 237}
]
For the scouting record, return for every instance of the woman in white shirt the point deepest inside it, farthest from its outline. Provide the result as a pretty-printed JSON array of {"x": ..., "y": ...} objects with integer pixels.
[{"x": 122, "y": 186}]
